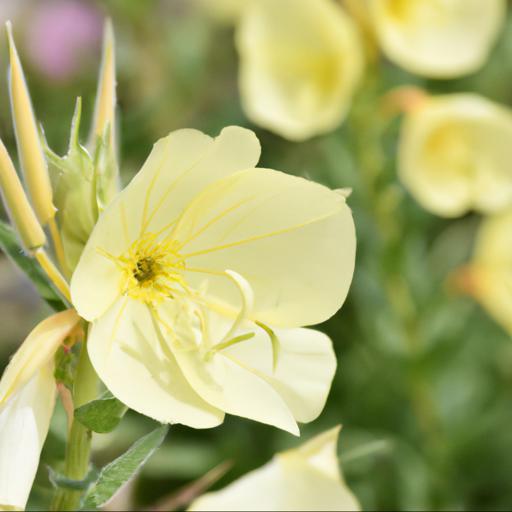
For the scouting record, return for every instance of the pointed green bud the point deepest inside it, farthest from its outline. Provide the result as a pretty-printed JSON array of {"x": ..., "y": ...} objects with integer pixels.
[
  {"x": 104, "y": 111},
  {"x": 74, "y": 182}
]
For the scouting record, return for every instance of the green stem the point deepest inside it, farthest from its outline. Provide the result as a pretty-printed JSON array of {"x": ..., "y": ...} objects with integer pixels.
[
  {"x": 382, "y": 204},
  {"x": 79, "y": 440}
]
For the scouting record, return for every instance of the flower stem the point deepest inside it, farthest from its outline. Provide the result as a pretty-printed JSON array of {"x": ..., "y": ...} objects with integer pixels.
[{"x": 79, "y": 439}]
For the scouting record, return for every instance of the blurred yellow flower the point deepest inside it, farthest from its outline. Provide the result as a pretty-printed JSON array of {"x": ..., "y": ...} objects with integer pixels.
[
  {"x": 489, "y": 276},
  {"x": 300, "y": 62},
  {"x": 27, "y": 398},
  {"x": 305, "y": 478},
  {"x": 199, "y": 276},
  {"x": 438, "y": 38},
  {"x": 455, "y": 153}
]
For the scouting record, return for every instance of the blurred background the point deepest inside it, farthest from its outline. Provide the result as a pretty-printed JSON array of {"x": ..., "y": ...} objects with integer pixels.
[{"x": 423, "y": 371}]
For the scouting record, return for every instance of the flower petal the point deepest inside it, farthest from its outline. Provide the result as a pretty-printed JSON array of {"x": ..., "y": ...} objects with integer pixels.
[
  {"x": 235, "y": 389},
  {"x": 293, "y": 241},
  {"x": 131, "y": 360},
  {"x": 179, "y": 167},
  {"x": 305, "y": 367},
  {"x": 300, "y": 61},
  {"x": 455, "y": 152},
  {"x": 24, "y": 422},
  {"x": 438, "y": 39},
  {"x": 306, "y": 478},
  {"x": 36, "y": 351}
]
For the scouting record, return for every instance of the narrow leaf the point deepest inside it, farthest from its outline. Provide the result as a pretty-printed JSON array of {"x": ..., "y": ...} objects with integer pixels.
[
  {"x": 101, "y": 415},
  {"x": 114, "y": 475},
  {"x": 11, "y": 247}
]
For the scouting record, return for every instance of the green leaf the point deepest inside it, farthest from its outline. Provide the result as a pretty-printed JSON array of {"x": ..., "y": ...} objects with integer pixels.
[
  {"x": 11, "y": 247},
  {"x": 114, "y": 475},
  {"x": 101, "y": 415}
]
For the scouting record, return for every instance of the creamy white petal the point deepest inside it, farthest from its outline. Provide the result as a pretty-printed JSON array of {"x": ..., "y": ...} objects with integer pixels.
[
  {"x": 232, "y": 387},
  {"x": 306, "y": 365},
  {"x": 36, "y": 351},
  {"x": 438, "y": 38},
  {"x": 138, "y": 368},
  {"x": 300, "y": 62},
  {"x": 455, "y": 152},
  {"x": 179, "y": 167},
  {"x": 491, "y": 268},
  {"x": 293, "y": 241},
  {"x": 306, "y": 478},
  {"x": 24, "y": 422}
]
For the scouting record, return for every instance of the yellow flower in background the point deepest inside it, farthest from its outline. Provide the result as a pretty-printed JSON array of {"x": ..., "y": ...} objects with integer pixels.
[
  {"x": 300, "y": 62},
  {"x": 27, "y": 399},
  {"x": 199, "y": 277},
  {"x": 455, "y": 153},
  {"x": 305, "y": 478},
  {"x": 490, "y": 273},
  {"x": 438, "y": 38}
]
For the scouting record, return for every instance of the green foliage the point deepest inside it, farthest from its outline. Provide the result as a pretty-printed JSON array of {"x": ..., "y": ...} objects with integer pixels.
[
  {"x": 101, "y": 415},
  {"x": 114, "y": 475},
  {"x": 11, "y": 247},
  {"x": 65, "y": 363}
]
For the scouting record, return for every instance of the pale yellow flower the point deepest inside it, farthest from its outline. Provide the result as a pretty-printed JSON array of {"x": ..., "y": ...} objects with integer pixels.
[
  {"x": 438, "y": 38},
  {"x": 489, "y": 276},
  {"x": 455, "y": 154},
  {"x": 300, "y": 62},
  {"x": 305, "y": 478},
  {"x": 27, "y": 398},
  {"x": 186, "y": 270}
]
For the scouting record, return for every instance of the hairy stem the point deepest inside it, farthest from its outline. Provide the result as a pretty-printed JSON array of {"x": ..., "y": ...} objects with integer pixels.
[{"x": 79, "y": 439}]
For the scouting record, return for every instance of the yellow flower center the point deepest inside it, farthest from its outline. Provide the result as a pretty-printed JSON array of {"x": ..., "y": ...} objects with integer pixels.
[{"x": 152, "y": 269}]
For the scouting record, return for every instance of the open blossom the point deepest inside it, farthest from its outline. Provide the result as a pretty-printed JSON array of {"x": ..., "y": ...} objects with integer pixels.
[
  {"x": 438, "y": 38},
  {"x": 300, "y": 62},
  {"x": 27, "y": 398},
  {"x": 489, "y": 275},
  {"x": 455, "y": 153},
  {"x": 305, "y": 478},
  {"x": 199, "y": 278}
]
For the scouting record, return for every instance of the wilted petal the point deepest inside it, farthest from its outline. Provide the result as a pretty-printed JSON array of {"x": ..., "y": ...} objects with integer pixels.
[
  {"x": 24, "y": 422},
  {"x": 36, "y": 351},
  {"x": 307, "y": 478},
  {"x": 179, "y": 167},
  {"x": 300, "y": 61},
  {"x": 438, "y": 38},
  {"x": 132, "y": 360},
  {"x": 293, "y": 241}
]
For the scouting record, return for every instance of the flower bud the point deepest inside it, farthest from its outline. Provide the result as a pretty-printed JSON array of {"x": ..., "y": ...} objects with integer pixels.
[
  {"x": 18, "y": 207},
  {"x": 104, "y": 112},
  {"x": 30, "y": 151}
]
